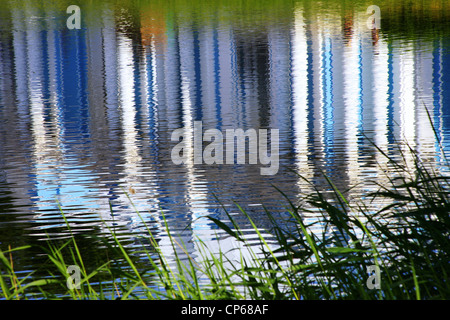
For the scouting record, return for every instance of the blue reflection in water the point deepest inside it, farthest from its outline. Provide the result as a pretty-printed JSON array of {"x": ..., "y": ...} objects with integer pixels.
[{"x": 328, "y": 120}]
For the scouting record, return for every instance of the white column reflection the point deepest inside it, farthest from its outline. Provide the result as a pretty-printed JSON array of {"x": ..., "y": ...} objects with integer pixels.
[
  {"x": 380, "y": 91},
  {"x": 300, "y": 94},
  {"x": 128, "y": 104},
  {"x": 352, "y": 69},
  {"x": 131, "y": 157},
  {"x": 407, "y": 102}
]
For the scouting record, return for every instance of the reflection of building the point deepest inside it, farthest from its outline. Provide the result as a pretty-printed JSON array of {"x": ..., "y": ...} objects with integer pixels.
[
  {"x": 360, "y": 89},
  {"x": 300, "y": 98}
]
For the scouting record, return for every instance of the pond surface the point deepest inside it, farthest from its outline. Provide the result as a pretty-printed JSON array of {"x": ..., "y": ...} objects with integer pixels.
[{"x": 87, "y": 115}]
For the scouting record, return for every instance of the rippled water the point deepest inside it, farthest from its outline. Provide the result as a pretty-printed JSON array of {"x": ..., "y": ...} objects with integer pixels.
[{"x": 86, "y": 115}]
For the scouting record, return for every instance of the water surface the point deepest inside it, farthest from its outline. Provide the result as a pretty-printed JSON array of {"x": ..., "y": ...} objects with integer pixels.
[{"x": 86, "y": 115}]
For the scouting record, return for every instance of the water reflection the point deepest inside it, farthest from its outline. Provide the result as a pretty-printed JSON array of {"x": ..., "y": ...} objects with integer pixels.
[{"x": 88, "y": 114}]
